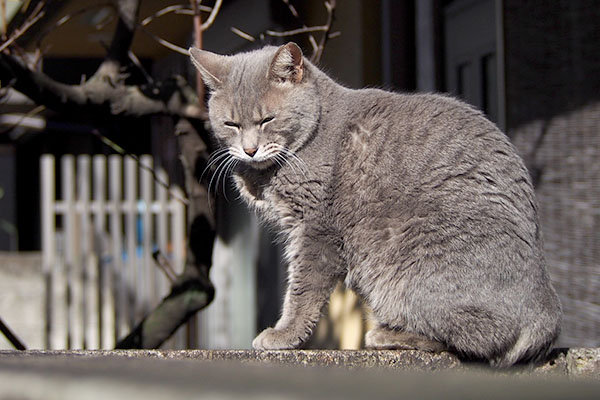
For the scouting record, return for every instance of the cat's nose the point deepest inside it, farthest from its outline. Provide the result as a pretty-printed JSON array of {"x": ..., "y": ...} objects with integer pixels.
[{"x": 251, "y": 151}]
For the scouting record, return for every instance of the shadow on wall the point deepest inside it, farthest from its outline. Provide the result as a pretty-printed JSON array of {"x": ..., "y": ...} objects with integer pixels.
[{"x": 553, "y": 117}]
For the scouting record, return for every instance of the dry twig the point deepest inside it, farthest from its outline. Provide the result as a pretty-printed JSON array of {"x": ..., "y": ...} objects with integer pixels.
[
  {"x": 177, "y": 9},
  {"x": 297, "y": 31},
  {"x": 165, "y": 266},
  {"x": 317, "y": 47},
  {"x": 330, "y": 6},
  {"x": 31, "y": 20},
  {"x": 136, "y": 61},
  {"x": 195, "y": 12},
  {"x": 140, "y": 164},
  {"x": 12, "y": 338},
  {"x": 242, "y": 34},
  {"x": 22, "y": 118},
  {"x": 212, "y": 16},
  {"x": 163, "y": 42},
  {"x": 294, "y": 12}
]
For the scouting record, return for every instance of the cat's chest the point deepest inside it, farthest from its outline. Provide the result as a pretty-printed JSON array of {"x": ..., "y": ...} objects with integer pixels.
[{"x": 280, "y": 199}]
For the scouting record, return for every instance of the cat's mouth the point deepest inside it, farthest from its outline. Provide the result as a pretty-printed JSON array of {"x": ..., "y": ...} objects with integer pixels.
[
  {"x": 260, "y": 164},
  {"x": 269, "y": 155},
  {"x": 261, "y": 158}
]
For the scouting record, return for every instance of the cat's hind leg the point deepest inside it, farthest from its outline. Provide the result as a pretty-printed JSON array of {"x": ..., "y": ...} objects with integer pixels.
[{"x": 382, "y": 338}]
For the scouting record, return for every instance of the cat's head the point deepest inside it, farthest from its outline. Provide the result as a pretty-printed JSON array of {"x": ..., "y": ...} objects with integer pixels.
[{"x": 263, "y": 104}]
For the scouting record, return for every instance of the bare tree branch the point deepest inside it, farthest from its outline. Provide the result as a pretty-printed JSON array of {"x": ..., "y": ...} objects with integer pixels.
[
  {"x": 197, "y": 35},
  {"x": 298, "y": 31},
  {"x": 192, "y": 290},
  {"x": 165, "y": 43},
  {"x": 330, "y": 6},
  {"x": 317, "y": 47},
  {"x": 33, "y": 18},
  {"x": 22, "y": 118},
  {"x": 294, "y": 12},
  {"x": 164, "y": 265},
  {"x": 201, "y": 219},
  {"x": 123, "y": 36},
  {"x": 100, "y": 96},
  {"x": 212, "y": 16},
  {"x": 141, "y": 165},
  {"x": 12, "y": 338},
  {"x": 106, "y": 94},
  {"x": 177, "y": 9},
  {"x": 242, "y": 34},
  {"x": 118, "y": 52},
  {"x": 180, "y": 8},
  {"x": 189, "y": 294},
  {"x": 136, "y": 61}
]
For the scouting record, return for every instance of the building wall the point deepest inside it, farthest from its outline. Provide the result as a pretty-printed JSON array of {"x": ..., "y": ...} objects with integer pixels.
[{"x": 553, "y": 116}]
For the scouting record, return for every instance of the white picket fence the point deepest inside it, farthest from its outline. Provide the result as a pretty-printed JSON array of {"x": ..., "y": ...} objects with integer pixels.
[{"x": 97, "y": 244}]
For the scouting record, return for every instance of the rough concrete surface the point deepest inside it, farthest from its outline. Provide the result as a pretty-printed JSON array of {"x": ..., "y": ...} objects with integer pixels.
[
  {"x": 583, "y": 363},
  {"x": 225, "y": 374},
  {"x": 349, "y": 359}
]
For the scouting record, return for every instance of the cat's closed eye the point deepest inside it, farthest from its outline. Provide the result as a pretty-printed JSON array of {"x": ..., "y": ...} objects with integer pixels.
[
  {"x": 265, "y": 120},
  {"x": 232, "y": 124}
]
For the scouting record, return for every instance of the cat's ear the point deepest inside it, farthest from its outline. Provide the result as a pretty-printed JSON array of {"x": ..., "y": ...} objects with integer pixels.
[
  {"x": 212, "y": 67},
  {"x": 287, "y": 64}
]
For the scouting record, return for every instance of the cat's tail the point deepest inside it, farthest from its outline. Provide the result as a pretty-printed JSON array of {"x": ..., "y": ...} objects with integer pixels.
[
  {"x": 484, "y": 335},
  {"x": 533, "y": 344},
  {"x": 539, "y": 329},
  {"x": 478, "y": 334}
]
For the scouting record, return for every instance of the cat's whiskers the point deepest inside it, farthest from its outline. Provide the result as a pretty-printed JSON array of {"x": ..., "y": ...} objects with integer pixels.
[
  {"x": 274, "y": 151},
  {"x": 225, "y": 171},
  {"x": 270, "y": 153},
  {"x": 237, "y": 153},
  {"x": 269, "y": 149},
  {"x": 215, "y": 157},
  {"x": 225, "y": 160},
  {"x": 293, "y": 157},
  {"x": 290, "y": 153},
  {"x": 286, "y": 160},
  {"x": 229, "y": 172},
  {"x": 277, "y": 158}
]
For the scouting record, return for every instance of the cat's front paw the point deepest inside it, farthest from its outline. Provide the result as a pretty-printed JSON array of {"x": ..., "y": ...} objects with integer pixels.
[{"x": 276, "y": 339}]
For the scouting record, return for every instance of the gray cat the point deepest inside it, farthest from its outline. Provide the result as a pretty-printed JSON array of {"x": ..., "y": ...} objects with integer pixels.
[{"x": 417, "y": 201}]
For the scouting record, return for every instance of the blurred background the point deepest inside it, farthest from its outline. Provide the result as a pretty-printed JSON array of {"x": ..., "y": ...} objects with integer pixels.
[{"x": 533, "y": 67}]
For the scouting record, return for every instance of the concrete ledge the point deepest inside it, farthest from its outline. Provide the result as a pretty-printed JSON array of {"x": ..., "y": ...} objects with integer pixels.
[
  {"x": 571, "y": 363},
  {"x": 173, "y": 375},
  {"x": 349, "y": 359}
]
